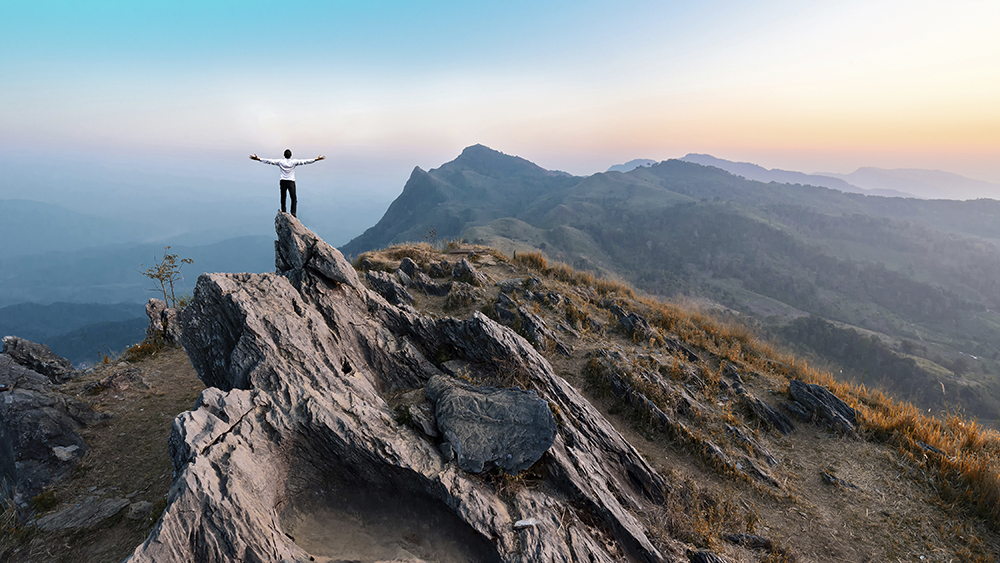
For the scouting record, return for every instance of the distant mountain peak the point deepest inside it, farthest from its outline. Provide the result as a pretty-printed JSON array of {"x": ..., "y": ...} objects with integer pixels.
[
  {"x": 632, "y": 165},
  {"x": 709, "y": 160},
  {"x": 492, "y": 163}
]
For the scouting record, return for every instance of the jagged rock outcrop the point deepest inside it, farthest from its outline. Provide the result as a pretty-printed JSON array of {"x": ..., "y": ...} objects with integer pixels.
[
  {"x": 637, "y": 386},
  {"x": 38, "y": 358},
  {"x": 636, "y": 326},
  {"x": 464, "y": 271},
  {"x": 409, "y": 267},
  {"x": 297, "y": 428},
  {"x": 820, "y": 402},
  {"x": 413, "y": 277},
  {"x": 530, "y": 325},
  {"x": 39, "y": 426},
  {"x": 388, "y": 287},
  {"x": 163, "y": 320},
  {"x": 767, "y": 415}
]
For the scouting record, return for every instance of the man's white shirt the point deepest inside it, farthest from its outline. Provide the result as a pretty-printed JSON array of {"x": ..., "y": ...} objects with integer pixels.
[{"x": 287, "y": 165}]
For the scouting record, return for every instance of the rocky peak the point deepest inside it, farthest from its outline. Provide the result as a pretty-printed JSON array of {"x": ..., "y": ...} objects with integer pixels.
[
  {"x": 494, "y": 164},
  {"x": 299, "y": 432}
]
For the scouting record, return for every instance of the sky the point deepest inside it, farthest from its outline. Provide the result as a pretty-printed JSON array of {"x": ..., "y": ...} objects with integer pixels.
[{"x": 179, "y": 93}]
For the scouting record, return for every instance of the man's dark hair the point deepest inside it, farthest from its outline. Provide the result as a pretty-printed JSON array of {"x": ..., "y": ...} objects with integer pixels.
[{"x": 288, "y": 153}]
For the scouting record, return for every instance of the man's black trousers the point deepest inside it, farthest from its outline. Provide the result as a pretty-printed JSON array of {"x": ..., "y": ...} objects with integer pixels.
[{"x": 288, "y": 186}]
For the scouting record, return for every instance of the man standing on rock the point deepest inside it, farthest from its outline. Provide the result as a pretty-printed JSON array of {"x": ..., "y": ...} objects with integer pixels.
[{"x": 287, "y": 166}]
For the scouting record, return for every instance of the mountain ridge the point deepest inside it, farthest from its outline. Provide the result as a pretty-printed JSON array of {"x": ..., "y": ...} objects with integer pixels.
[{"x": 910, "y": 270}]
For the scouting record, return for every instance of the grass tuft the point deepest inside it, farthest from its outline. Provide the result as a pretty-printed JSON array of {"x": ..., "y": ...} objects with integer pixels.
[
  {"x": 145, "y": 349},
  {"x": 537, "y": 262}
]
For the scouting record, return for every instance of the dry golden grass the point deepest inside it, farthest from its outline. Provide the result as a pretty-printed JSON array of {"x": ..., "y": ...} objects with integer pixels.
[
  {"x": 420, "y": 252},
  {"x": 965, "y": 469},
  {"x": 693, "y": 514},
  {"x": 960, "y": 482},
  {"x": 536, "y": 261}
]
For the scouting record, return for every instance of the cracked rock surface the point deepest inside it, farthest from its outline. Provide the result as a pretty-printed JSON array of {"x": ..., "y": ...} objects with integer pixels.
[{"x": 295, "y": 438}]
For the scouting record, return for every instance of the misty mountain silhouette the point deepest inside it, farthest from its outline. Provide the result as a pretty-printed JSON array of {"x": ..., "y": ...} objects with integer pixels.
[
  {"x": 752, "y": 171},
  {"x": 929, "y": 184}
]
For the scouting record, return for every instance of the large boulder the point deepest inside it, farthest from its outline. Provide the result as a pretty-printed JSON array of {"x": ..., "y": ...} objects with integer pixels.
[
  {"x": 300, "y": 436},
  {"x": 487, "y": 427}
]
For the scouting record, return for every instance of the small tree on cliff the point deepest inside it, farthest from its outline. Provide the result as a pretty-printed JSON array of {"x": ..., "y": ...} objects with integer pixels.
[{"x": 164, "y": 272}]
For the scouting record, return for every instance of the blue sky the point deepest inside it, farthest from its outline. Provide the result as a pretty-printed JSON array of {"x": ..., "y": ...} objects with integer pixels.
[{"x": 174, "y": 91}]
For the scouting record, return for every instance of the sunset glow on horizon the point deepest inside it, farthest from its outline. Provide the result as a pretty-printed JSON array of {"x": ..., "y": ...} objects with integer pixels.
[{"x": 576, "y": 86}]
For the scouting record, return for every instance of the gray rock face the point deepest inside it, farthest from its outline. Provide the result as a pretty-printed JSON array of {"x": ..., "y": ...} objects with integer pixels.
[
  {"x": 154, "y": 310},
  {"x": 409, "y": 267},
  {"x": 38, "y": 358},
  {"x": 422, "y": 282},
  {"x": 298, "y": 249},
  {"x": 298, "y": 429},
  {"x": 388, "y": 287},
  {"x": 823, "y": 404},
  {"x": 529, "y": 324},
  {"x": 39, "y": 432},
  {"x": 163, "y": 320},
  {"x": 487, "y": 427}
]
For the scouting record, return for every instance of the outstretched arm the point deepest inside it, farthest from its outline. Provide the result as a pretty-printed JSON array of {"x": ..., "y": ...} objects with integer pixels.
[
  {"x": 264, "y": 160},
  {"x": 312, "y": 160}
]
